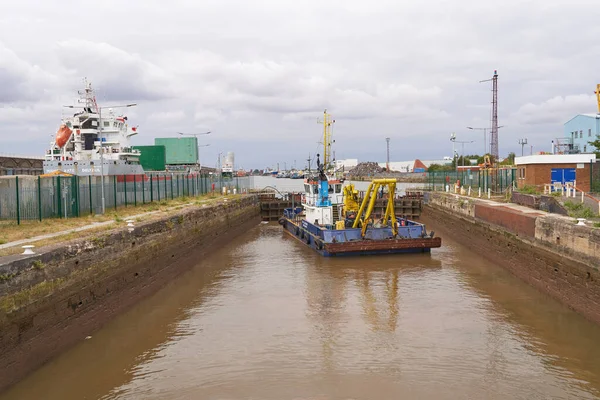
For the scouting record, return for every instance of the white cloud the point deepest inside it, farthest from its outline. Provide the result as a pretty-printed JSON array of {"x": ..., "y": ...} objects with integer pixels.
[
  {"x": 556, "y": 110},
  {"x": 256, "y": 71}
]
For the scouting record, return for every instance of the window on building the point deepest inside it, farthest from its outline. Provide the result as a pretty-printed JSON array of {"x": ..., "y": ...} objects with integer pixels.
[
  {"x": 115, "y": 124},
  {"x": 580, "y": 134},
  {"x": 106, "y": 124},
  {"x": 589, "y": 132}
]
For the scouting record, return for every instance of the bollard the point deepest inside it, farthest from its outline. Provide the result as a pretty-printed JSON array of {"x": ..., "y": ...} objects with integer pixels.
[
  {"x": 130, "y": 226},
  {"x": 28, "y": 249},
  {"x": 489, "y": 193},
  {"x": 234, "y": 191},
  {"x": 581, "y": 221},
  {"x": 469, "y": 191},
  {"x": 479, "y": 192}
]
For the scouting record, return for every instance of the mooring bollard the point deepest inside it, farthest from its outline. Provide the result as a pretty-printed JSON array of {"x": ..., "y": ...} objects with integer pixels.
[
  {"x": 479, "y": 192},
  {"x": 489, "y": 193},
  {"x": 28, "y": 249},
  {"x": 130, "y": 226},
  {"x": 469, "y": 191},
  {"x": 581, "y": 221}
]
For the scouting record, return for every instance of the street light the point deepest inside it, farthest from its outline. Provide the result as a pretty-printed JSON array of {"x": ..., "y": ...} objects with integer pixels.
[
  {"x": 196, "y": 136},
  {"x": 484, "y": 136},
  {"x": 522, "y": 142},
  {"x": 102, "y": 146}
]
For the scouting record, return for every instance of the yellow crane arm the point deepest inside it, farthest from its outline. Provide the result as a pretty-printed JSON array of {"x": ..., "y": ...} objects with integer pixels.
[{"x": 368, "y": 203}]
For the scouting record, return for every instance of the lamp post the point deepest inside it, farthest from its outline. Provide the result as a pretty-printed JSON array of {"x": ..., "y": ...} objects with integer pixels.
[
  {"x": 102, "y": 146},
  {"x": 484, "y": 136},
  {"x": 522, "y": 142}
]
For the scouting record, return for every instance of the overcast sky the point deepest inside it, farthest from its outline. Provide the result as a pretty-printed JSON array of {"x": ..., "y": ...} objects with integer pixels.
[{"x": 259, "y": 73}]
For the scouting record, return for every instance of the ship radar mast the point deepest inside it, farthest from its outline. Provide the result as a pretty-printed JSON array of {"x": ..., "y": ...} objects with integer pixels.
[
  {"x": 87, "y": 97},
  {"x": 327, "y": 141}
]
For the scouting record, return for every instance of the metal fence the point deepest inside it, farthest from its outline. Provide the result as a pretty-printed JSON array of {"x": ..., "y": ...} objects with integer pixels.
[
  {"x": 36, "y": 198},
  {"x": 497, "y": 180}
]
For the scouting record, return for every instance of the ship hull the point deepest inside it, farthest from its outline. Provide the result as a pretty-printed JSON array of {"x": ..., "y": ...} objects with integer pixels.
[
  {"x": 379, "y": 241},
  {"x": 93, "y": 168}
]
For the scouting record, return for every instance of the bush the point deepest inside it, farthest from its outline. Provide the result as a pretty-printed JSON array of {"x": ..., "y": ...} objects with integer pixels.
[{"x": 529, "y": 189}]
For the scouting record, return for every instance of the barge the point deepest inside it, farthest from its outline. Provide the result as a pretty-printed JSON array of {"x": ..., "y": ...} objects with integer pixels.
[{"x": 331, "y": 222}]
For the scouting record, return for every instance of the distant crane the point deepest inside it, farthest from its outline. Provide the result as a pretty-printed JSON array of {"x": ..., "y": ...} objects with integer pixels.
[
  {"x": 387, "y": 165},
  {"x": 598, "y": 96},
  {"x": 494, "y": 133}
]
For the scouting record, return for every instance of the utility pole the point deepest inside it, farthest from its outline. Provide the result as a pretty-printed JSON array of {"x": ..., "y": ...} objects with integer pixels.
[
  {"x": 494, "y": 133},
  {"x": 485, "y": 142},
  {"x": 522, "y": 142},
  {"x": 387, "y": 164}
]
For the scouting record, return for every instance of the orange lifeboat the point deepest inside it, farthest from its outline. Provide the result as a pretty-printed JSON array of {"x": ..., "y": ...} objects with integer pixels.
[{"x": 62, "y": 135}]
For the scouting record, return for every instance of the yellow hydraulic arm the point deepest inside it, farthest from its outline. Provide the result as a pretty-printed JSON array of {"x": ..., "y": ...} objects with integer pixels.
[
  {"x": 369, "y": 202},
  {"x": 598, "y": 96}
]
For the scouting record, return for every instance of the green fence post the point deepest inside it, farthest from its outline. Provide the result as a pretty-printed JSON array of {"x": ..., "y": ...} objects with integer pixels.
[
  {"x": 90, "y": 190},
  {"x": 166, "y": 189},
  {"x": 75, "y": 186},
  {"x": 144, "y": 189},
  {"x": 134, "y": 191},
  {"x": 58, "y": 196},
  {"x": 177, "y": 185},
  {"x": 187, "y": 178},
  {"x": 115, "y": 189},
  {"x": 172, "y": 196},
  {"x": 40, "y": 197},
  {"x": 158, "y": 187},
  {"x": 151, "y": 189},
  {"x": 125, "y": 188},
  {"x": 18, "y": 205}
]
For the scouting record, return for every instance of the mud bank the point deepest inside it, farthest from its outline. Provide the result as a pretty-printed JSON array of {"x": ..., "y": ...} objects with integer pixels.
[
  {"x": 549, "y": 252},
  {"x": 64, "y": 293}
]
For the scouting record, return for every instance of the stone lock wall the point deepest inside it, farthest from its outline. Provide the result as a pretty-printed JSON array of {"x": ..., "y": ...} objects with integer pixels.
[
  {"x": 550, "y": 252},
  {"x": 57, "y": 297}
]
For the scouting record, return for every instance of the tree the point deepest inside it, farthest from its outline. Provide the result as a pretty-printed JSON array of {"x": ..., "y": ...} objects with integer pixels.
[
  {"x": 439, "y": 167},
  {"x": 459, "y": 161},
  {"x": 510, "y": 160},
  {"x": 596, "y": 144}
]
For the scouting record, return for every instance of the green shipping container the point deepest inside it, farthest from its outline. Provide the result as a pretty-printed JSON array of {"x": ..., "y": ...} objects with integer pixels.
[
  {"x": 152, "y": 158},
  {"x": 182, "y": 150}
]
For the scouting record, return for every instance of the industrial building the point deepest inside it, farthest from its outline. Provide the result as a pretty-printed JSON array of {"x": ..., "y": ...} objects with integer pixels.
[
  {"x": 539, "y": 170},
  {"x": 578, "y": 132}
]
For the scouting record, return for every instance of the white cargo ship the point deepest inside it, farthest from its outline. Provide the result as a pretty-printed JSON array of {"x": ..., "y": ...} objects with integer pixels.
[{"x": 92, "y": 142}]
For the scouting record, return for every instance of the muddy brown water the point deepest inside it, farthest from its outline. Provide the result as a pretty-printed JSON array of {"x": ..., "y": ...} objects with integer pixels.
[{"x": 266, "y": 318}]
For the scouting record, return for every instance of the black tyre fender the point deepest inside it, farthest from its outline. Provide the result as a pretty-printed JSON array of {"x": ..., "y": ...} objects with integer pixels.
[
  {"x": 319, "y": 244},
  {"x": 281, "y": 221},
  {"x": 301, "y": 233},
  {"x": 296, "y": 231},
  {"x": 307, "y": 238}
]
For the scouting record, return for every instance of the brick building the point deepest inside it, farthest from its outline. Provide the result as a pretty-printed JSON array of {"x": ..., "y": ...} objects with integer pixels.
[{"x": 538, "y": 170}]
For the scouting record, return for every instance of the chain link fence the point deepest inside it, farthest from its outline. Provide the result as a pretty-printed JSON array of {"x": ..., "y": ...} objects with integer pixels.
[
  {"x": 498, "y": 180},
  {"x": 36, "y": 197}
]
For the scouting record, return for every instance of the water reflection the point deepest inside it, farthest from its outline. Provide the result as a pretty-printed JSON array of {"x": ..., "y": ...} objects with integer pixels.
[{"x": 265, "y": 317}]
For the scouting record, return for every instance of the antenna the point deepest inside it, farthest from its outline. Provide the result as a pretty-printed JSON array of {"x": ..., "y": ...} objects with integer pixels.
[{"x": 494, "y": 133}]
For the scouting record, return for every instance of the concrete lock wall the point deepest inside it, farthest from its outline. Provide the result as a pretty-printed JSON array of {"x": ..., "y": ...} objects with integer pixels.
[
  {"x": 550, "y": 252},
  {"x": 56, "y": 298}
]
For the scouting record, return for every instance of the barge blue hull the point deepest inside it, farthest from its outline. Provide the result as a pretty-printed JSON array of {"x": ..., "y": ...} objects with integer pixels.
[{"x": 348, "y": 242}]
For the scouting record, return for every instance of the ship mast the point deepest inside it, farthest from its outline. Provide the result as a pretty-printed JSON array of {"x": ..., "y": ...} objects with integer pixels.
[{"x": 327, "y": 130}]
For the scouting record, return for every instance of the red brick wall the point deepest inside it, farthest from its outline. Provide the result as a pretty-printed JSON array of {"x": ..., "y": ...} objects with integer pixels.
[
  {"x": 539, "y": 175},
  {"x": 515, "y": 222}
]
